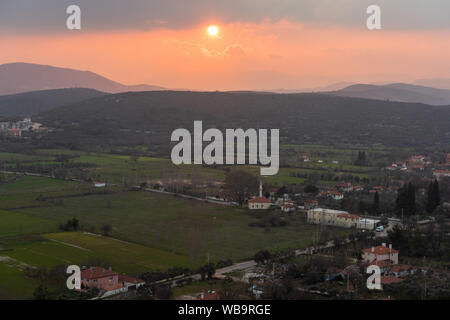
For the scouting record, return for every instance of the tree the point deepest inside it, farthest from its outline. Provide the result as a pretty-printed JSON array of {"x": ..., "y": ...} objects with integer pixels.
[
  {"x": 406, "y": 199},
  {"x": 40, "y": 293},
  {"x": 71, "y": 225},
  {"x": 207, "y": 270},
  {"x": 430, "y": 203},
  {"x": 376, "y": 202},
  {"x": 239, "y": 185},
  {"x": 262, "y": 256},
  {"x": 106, "y": 228},
  {"x": 310, "y": 188},
  {"x": 436, "y": 196}
]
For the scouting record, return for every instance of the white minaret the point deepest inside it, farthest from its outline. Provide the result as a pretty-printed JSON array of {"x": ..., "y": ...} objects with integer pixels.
[{"x": 260, "y": 188}]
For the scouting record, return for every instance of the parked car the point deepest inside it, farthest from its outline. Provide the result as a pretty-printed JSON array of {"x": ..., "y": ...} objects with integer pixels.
[{"x": 379, "y": 229}]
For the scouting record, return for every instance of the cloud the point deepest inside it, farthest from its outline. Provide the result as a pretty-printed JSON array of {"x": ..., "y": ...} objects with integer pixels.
[{"x": 48, "y": 16}]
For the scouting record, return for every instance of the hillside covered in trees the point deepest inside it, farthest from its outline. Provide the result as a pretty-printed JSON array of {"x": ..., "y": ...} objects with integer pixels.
[{"x": 148, "y": 118}]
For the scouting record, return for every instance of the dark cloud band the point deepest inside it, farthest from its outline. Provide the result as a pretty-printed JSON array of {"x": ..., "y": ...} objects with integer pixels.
[{"x": 48, "y": 16}]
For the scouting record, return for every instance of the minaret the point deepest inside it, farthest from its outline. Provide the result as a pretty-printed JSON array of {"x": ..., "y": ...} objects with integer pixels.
[{"x": 260, "y": 188}]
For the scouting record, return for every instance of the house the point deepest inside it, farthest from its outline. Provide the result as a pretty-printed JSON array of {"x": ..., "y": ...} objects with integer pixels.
[
  {"x": 358, "y": 188},
  {"x": 390, "y": 279},
  {"x": 288, "y": 206},
  {"x": 438, "y": 174},
  {"x": 311, "y": 204},
  {"x": 384, "y": 265},
  {"x": 108, "y": 281},
  {"x": 336, "y": 195},
  {"x": 260, "y": 202},
  {"x": 416, "y": 159},
  {"x": 380, "y": 253},
  {"x": 130, "y": 282},
  {"x": 209, "y": 295},
  {"x": 345, "y": 187},
  {"x": 304, "y": 158},
  {"x": 332, "y": 217},
  {"x": 402, "y": 270},
  {"x": 368, "y": 224},
  {"x": 99, "y": 184},
  {"x": 15, "y": 132},
  {"x": 102, "y": 279},
  {"x": 347, "y": 220},
  {"x": 447, "y": 160}
]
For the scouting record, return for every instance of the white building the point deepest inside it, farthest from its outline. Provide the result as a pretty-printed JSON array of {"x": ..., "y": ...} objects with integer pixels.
[{"x": 368, "y": 224}]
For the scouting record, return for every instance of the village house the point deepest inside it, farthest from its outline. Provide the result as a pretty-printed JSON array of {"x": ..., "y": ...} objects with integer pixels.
[
  {"x": 304, "y": 158},
  {"x": 367, "y": 224},
  {"x": 310, "y": 204},
  {"x": 380, "y": 253},
  {"x": 208, "y": 295},
  {"x": 102, "y": 279},
  {"x": 390, "y": 280},
  {"x": 345, "y": 187},
  {"x": 384, "y": 265},
  {"x": 288, "y": 206},
  {"x": 332, "y": 218},
  {"x": 336, "y": 195},
  {"x": 438, "y": 174},
  {"x": 15, "y": 132},
  {"x": 347, "y": 220},
  {"x": 108, "y": 281},
  {"x": 401, "y": 270}
]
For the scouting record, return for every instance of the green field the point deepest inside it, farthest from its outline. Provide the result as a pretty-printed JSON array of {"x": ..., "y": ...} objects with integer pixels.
[
  {"x": 80, "y": 247},
  {"x": 187, "y": 227},
  {"x": 149, "y": 230}
]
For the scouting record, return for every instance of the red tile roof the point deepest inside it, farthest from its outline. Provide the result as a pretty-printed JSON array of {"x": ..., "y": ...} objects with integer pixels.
[
  {"x": 380, "y": 250},
  {"x": 259, "y": 200},
  {"x": 401, "y": 267},
  {"x": 96, "y": 273},
  {"x": 349, "y": 216},
  {"x": 381, "y": 263},
  {"x": 390, "y": 279},
  {"x": 126, "y": 278}
]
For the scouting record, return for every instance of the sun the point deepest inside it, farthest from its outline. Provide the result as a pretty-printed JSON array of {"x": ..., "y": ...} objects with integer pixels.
[{"x": 213, "y": 30}]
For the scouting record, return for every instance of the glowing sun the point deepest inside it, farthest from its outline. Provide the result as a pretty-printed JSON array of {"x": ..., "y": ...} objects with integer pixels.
[{"x": 213, "y": 31}]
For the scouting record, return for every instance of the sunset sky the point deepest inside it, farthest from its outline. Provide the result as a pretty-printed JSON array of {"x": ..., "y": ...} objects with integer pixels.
[{"x": 260, "y": 44}]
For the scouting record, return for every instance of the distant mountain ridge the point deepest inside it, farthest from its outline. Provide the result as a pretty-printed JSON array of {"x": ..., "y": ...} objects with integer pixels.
[
  {"x": 24, "y": 77},
  {"x": 439, "y": 83},
  {"x": 400, "y": 92}
]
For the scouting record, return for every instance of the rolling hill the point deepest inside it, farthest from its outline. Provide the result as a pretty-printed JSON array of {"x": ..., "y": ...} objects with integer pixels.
[
  {"x": 31, "y": 103},
  {"x": 396, "y": 92},
  {"x": 148, "y": 118},
  {"x": 24, "y": 77}
]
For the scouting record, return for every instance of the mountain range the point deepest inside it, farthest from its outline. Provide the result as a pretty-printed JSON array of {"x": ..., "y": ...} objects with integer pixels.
[
  {"x": 24, "y": 77},
  {"x": 401, "y": 92}
]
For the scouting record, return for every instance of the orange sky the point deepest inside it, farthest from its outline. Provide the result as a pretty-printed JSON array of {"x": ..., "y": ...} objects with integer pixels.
[{"x": 262, "y": 55}]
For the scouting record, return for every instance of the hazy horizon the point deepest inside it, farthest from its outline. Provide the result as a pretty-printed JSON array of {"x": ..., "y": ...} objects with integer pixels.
[{"x": 264, "y": 45}]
